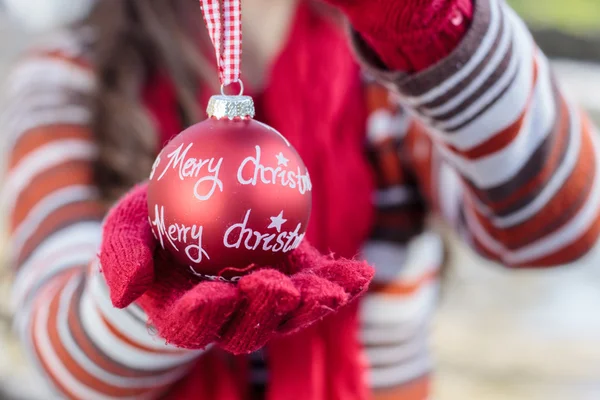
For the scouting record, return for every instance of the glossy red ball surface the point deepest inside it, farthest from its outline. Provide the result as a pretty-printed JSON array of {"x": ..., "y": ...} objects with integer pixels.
[{"x": 226, "y": 194}]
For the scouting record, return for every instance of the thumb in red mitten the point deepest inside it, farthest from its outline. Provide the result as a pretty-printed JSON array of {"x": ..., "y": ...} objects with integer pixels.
[
  {"x": 185, "y": 313},
  {"x": 127, "y": 252}
]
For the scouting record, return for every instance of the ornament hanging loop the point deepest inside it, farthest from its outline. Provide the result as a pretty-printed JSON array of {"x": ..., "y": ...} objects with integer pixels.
[
  {"x": 239, "y": 82},
  {"x": 223, "y": 20}
]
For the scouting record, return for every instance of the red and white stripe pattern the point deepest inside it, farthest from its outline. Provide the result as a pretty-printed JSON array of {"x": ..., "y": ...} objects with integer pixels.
[
  {"x": 396, "y": 314},
  {"x": 498, "y": 149},
  {"x": 223, "y": 20},
  {"x": 87, "y": 348}
]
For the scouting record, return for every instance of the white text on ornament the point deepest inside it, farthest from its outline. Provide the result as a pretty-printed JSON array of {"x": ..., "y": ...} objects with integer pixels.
[
  {"x": 238, "y": 235},
  {"x": 214, "y": 277},
  {"x": 191, "y": 168},
  {"x": 179, "y": 233},
  {"x": 154, "y": 166},
  {"x": 257, "y": 172}
]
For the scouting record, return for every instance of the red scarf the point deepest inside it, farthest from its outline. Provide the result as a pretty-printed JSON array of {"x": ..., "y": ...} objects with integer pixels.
[{"x": 314, "y": 97}]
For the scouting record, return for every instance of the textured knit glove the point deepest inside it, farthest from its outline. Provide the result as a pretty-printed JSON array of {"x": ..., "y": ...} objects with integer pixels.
[
  {"x": 240, "y": 317},
  {"x": 409, "y": 35}
]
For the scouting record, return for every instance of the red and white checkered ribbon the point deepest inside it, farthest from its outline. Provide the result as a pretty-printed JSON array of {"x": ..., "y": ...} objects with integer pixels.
[{"x": 223, "y": 19}]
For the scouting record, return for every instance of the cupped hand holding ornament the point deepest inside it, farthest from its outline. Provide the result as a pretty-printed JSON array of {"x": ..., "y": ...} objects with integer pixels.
[{"x": 240, "y": 317}]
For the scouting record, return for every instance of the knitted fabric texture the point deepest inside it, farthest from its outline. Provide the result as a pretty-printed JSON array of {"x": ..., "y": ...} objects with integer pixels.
[
  {"x": 240, "y": 318},
  {"x": 409, "y": 35}
]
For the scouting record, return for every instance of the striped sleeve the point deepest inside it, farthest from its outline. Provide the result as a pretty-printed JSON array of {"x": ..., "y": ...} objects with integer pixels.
[
  {"x": 513, "y": 161},
  {"x": 86, "y": 348},
  {"x": 399, "y": 202},
  {"x": 396, "y": 312}
]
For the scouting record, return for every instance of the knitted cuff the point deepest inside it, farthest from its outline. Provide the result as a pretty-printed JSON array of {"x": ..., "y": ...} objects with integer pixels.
[{"x": 411, "y": 35}]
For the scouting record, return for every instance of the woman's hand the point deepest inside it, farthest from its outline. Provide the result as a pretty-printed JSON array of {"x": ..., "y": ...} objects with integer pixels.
[
  {"x": 240, "y": 317},
  {"x": 408, "y": 35}
]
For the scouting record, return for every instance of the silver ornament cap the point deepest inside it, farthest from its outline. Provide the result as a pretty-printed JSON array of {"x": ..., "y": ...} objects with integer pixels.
[{"x": 230, "y": 107}]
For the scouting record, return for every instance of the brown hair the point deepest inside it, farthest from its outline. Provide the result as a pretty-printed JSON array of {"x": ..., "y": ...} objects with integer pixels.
[{"x": 134, "y": 39}]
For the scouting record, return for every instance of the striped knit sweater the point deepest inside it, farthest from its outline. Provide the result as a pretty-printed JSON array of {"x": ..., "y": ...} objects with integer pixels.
[{"x": 485, "y": 138}]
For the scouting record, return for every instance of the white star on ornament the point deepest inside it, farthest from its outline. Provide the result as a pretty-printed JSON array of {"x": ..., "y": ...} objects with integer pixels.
[
  {"x": 281, "y": 160},
  {"x": 277, "y": 221}
]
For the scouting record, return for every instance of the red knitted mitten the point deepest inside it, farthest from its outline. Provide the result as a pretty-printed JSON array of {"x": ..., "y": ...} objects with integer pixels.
[
  {"x": 239, "y": 317},
  {"x": 409, "y": 35}
]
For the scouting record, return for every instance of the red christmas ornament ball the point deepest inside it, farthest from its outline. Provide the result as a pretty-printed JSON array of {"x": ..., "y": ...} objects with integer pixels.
[{"x": 225, "y": 195}]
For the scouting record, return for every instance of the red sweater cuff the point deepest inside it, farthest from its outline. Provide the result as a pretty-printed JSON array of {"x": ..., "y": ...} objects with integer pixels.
[{"x": 411, "y": 35}]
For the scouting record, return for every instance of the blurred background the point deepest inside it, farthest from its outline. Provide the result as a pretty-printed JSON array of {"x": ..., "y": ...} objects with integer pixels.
[{"x": 498, "y": 334}]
